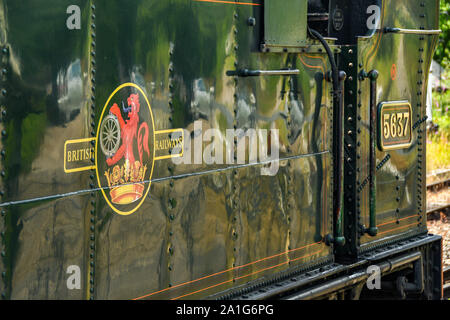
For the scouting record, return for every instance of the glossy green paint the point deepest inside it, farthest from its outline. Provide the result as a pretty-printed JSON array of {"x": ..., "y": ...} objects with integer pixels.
[
  {"x": 285, "y": 25},
  {"x": 45, "y": 103},
  {"x": 401, "y": 196},
  {"x": 203, "y": 229},
  {"x": 195, "y": 235}
]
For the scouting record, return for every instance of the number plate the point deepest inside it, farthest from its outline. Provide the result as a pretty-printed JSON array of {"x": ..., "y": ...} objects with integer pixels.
[{"x": 394, "y": 125}]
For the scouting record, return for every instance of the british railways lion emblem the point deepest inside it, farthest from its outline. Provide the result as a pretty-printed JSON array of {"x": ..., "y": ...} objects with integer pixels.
[{"x": 125, "y": 155}]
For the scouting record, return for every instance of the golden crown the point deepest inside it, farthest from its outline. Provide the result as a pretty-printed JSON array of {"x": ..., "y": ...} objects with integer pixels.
[{"x": 126, "y": 182}]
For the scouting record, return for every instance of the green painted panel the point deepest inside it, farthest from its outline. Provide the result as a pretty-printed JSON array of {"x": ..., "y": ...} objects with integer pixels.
[{"x": 285, "y": 23}]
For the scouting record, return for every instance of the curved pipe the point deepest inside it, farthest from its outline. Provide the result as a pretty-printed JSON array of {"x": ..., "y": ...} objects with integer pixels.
[{"x": 336, "y": 77}]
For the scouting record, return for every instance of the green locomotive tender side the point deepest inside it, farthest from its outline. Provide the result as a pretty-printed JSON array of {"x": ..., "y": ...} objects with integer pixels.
[{"x": 200, "y": 149}]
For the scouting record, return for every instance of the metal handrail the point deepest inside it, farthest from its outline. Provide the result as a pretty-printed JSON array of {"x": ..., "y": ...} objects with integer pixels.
[
  {"x": 257, "y": 73},
  {"x": 411, "y": 31}
]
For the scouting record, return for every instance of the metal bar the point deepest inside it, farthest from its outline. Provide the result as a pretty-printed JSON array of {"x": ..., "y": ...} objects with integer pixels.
[
  {"x": 258, "y": 73},
  {"x": 339, "y": 161},
  {"x": 355, "y": 278},
  {"x": 180, "y": 176},
  {"x": 287, "y": 285},
  {"x": 411, "y": 31},
  {"x": 330, "y": 287},
  {"x": 373, "y": 230}
]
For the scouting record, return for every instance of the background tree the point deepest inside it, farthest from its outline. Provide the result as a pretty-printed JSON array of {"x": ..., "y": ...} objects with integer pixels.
[{"x": 443, "y": 51}]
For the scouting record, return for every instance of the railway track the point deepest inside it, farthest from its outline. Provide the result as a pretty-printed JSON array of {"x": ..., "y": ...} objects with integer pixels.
[
  {"x": 438, "y": 177},
  {"x": 436, "y": 186},
  {"x": 446, "y": 288},
  {"x": 440, "y": 182},
  {"x": 435, "y": 208}
]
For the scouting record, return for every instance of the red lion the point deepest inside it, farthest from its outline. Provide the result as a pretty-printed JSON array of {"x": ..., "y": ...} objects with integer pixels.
[{"x": 128, "y": 131}]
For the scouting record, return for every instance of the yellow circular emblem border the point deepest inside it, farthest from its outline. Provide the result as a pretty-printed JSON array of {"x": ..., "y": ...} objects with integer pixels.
[{"x": 123, "y": 213}]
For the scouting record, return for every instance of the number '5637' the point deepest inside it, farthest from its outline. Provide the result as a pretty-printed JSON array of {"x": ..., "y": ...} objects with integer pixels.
[{"x": 395, "y": 125}]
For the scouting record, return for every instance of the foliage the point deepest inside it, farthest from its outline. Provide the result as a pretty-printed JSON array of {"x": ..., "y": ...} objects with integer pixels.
[
  {"x": 443, "y": 51},
  {"x": 438, "y": 152},
  {"x": 438, "y": 147}
]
